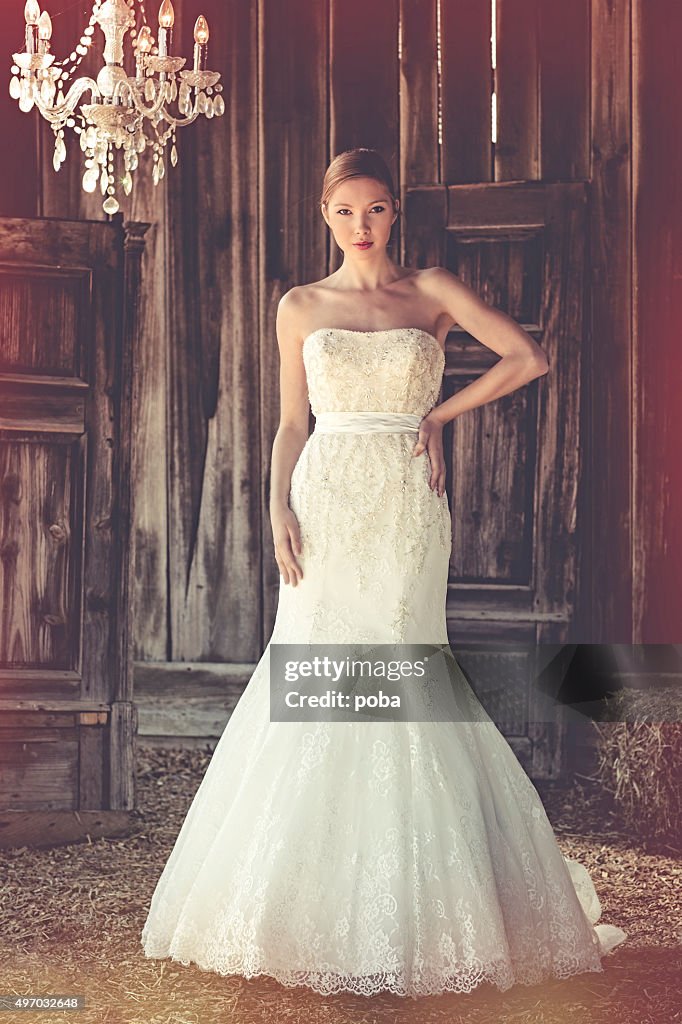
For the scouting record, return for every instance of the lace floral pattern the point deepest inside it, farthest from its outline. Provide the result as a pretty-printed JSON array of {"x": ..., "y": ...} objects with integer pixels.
[{"x": 411, "y": 857}]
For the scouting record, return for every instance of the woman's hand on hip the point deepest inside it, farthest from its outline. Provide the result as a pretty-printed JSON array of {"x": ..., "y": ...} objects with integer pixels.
[{"x": 431, "y": 441}]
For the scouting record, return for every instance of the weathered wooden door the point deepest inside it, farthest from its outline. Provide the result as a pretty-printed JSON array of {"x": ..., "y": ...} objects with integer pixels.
[
  {"x": 67, "y": 721},
  {"x": 513, "y": 465}
]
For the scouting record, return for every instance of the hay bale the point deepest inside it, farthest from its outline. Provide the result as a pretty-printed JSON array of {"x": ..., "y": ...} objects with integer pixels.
[{"x": 640, "y": 766}]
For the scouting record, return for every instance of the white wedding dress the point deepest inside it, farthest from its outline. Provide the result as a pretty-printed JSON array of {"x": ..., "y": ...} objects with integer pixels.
[{"x": 408, "y": 856}]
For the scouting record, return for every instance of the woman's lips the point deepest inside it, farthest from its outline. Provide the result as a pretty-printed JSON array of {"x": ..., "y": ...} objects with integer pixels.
[{"x": 363, "y": 245}]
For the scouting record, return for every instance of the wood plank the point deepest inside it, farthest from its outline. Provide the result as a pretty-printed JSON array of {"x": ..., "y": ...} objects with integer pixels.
[
  {"x": 92, "y": 764},
  {"x": 516, "y": 83},
  {"x": 559, "y": 429},
  {"x": 38, "y": 617},
  {"x": 294, "y": 236},
  {"x": 150, "y": 466},
  {"x": 657, "y": 269},
  {"x": 80, "y": 706},
  {"x": 419, "y": 143},
  {"x": 424, "y": 226},
  {"x": 44, "y": 322},
  {"x": 607, "y": 352},
  {"x": 98, "y": 452},
  {"x": 466, "y": 86},
  {"x": 119, "y": 762},
  {"x": 19, "y": 167},
  {"x": 564, "y": 75},
  {"x": 187, "y": 701},
  {"x": 363, "y": 62},
  {"x": 48, "y": 412},
  {"x": 37, "y": 775},
  {"x": 127, "y": 462},
  {"x": 35, "y": 829}
]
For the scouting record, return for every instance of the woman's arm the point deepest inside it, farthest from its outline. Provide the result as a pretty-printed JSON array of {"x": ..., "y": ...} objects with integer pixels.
[
  {"x": 522, "y": 358},
  {"x": 291, "y": 436}
]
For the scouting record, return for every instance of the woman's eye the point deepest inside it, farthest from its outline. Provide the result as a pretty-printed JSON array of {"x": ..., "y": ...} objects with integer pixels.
[{"x": 379, "y": 208}]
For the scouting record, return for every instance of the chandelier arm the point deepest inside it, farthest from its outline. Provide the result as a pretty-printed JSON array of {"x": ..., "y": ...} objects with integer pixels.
[
  {"x": 135, "y": 95},
  {"x": 65, "y": 109},
  {"x": 178, "y": 122}
]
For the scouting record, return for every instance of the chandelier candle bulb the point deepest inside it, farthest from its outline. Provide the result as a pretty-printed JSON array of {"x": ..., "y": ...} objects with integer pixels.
[
  {"x": 44, "y": 32},
  {"x": 144, "y": 45},
  {"x": 200, "y": 43},
  {"x": 31, "y": 15},
  {"x": 166, "y": 19}
]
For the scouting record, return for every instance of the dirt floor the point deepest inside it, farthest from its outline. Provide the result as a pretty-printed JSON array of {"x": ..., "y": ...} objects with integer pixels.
[{"x": 71, "y": 917}]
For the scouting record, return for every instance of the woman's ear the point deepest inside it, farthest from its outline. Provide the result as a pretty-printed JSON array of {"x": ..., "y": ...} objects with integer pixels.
[
  {"x": 323, "y": 210},
  {"x": 396, "y": 210}
]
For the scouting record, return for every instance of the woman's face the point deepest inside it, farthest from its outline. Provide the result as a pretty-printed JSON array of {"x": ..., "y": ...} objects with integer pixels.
[{"x": 360, "y": 210}]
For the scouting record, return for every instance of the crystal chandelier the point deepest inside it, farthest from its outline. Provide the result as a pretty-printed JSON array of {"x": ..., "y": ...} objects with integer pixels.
[{"x": 124, "y": 113}]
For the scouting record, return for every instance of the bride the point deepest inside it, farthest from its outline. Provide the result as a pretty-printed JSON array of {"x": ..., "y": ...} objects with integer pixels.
[{"x": 363, "y": 855}]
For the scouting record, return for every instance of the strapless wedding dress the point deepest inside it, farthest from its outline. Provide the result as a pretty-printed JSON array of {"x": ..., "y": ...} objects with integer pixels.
[{"x": 408, "y": 856}]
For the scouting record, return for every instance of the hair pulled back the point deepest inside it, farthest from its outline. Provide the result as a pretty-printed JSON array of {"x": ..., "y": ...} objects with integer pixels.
[{"x": 356, "y": 163}]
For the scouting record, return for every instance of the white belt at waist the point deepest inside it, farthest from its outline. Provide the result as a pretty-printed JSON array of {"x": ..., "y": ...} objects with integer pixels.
[{"x": 366, "y": 422}]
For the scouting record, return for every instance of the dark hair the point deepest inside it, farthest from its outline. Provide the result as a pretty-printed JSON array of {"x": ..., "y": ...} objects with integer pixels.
[{"x": 356, "y": 163}]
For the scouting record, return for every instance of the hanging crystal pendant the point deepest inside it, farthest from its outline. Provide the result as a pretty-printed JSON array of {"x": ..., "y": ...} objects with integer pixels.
[
  {"x": 90, "y": 179},
  {"x": 110, "y": 205},
  {"x": 26, "y": 96},
  {"x": 174, "y": 155}
]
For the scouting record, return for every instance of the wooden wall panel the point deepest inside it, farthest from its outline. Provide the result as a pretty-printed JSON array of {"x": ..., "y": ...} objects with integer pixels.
[
  {"x": 564, "y": 74},
  {"x": 236, "y": 224},
  {"x": 466, "y": 152},
  {"x": 657, "y": 426},
  {"x": 517, "y": 90},
  {"x": 419, "y": 144},
  {"x": 607, "y": 346},
  {"x": 363, "y": 87},
  {"x": 42, "y": 545},
  {"x": 61, "y": 195},
  {"x": 293, "y": 238},
  {"x": 148, "y": 203},
  {"x": 214, "y": 512},
  {"x": 19, "y": 167}
]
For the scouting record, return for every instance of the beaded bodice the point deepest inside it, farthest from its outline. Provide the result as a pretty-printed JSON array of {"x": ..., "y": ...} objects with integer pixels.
[{"x": 398, "y": 369}]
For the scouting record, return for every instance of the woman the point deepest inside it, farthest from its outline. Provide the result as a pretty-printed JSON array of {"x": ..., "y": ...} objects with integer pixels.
[{"x": 359, "y": 852}]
